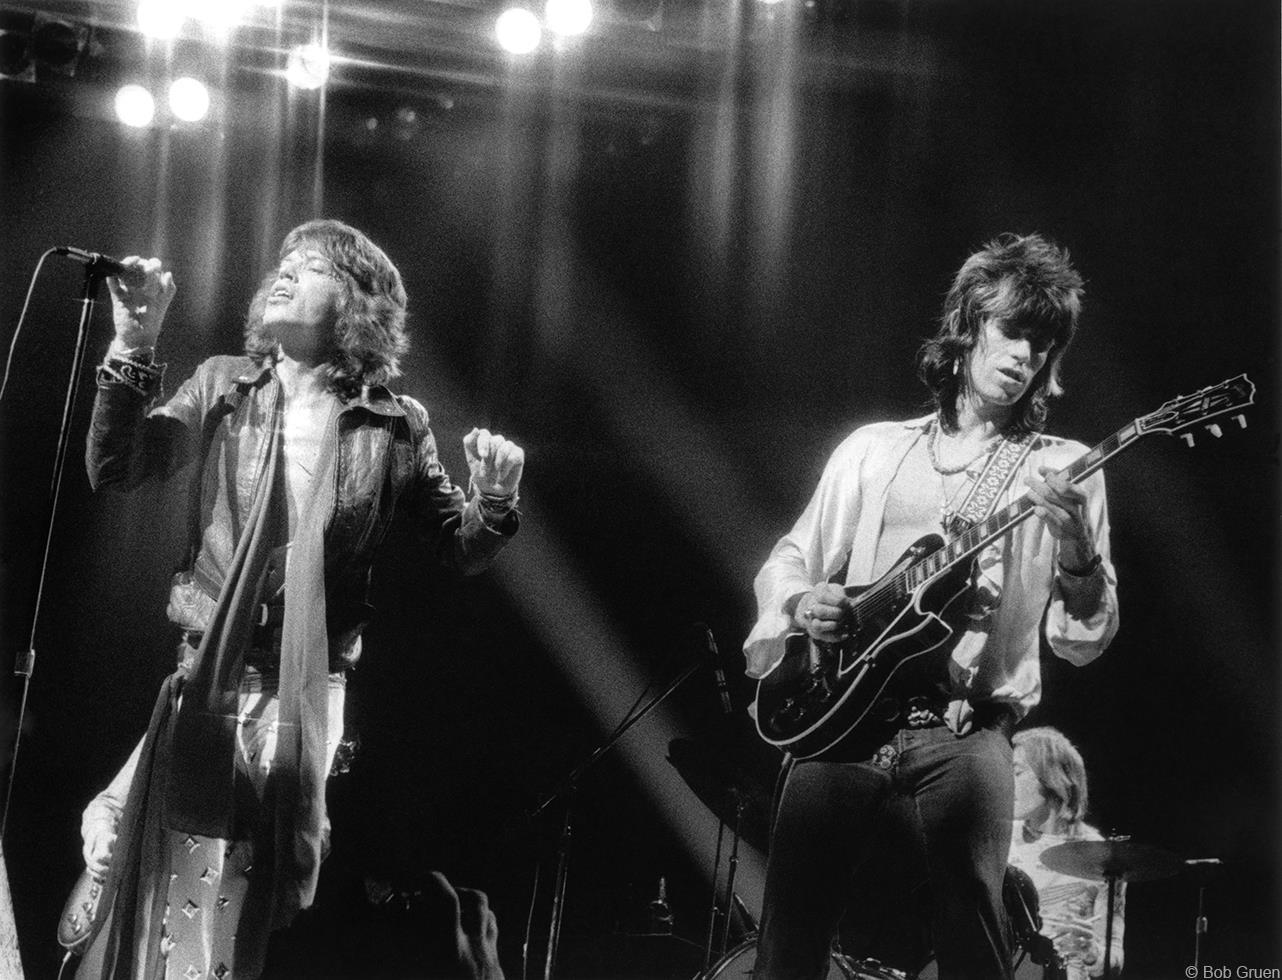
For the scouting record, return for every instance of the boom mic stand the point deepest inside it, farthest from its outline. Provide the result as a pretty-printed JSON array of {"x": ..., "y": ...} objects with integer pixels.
[
  {"x": 568, "y": 788},
  {"x": 25, "y": 665}
]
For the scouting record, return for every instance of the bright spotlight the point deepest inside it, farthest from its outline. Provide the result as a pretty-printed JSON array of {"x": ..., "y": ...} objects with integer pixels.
[
  {"x": 189, "y": 99},
  {"x": 135, "y": 106},
  {"x": 567, "y": 17},
  {"x": 308, "y": 66},
  {"x": 160, "y": 19},
  {"x": 220, "y": 15},
  {"x": 518, "y": 30}
]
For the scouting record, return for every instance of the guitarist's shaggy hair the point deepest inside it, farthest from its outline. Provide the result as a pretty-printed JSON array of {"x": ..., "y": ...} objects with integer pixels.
[
  {"x": 1027, "y": 282},
  {"x": 369, "y": 333}
]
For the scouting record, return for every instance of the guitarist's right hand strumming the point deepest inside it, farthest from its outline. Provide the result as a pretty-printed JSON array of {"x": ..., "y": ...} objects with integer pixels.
[
  {"x": 823, "y": 612},
  {"x": 98, "y": 844}
]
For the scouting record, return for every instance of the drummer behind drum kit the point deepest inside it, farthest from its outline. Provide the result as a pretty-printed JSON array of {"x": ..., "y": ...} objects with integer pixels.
[{"x": 745, "y": 810}]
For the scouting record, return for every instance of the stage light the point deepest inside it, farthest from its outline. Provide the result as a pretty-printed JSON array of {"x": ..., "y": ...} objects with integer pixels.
[
  {"x": 188, "y": 99},
  {"x": 518, "y": 30},
  {"x": 220, "y": 15},
  {"x": 135, "y": 106},
  {"x": 568, "y": 17},
  {"x": 646, "y": 14},
  {"x": 16, "y": 62},
  {"x": 160, "y": 19},
  {"x": 308, "y": 66},
  {"x": 57, "y": 44}
]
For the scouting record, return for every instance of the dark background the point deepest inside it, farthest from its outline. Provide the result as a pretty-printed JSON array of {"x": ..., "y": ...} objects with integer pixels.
[{"x": 677, "y": 266}]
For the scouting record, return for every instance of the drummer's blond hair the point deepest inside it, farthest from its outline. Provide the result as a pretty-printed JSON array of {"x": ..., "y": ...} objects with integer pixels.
[{"x": 1059, "y": 768}]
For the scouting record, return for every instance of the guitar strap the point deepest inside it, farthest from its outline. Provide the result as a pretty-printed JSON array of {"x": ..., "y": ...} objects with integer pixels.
[{"x": 988, "y": 487}]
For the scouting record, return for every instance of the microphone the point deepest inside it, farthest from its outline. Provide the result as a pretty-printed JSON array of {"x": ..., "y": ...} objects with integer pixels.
[
  {"x": 98, "y": 263},
  {"x": 722, "y": 689}
]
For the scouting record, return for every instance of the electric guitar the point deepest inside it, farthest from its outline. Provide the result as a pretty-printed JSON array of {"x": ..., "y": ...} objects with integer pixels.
[{"x": 902, "y": 627}]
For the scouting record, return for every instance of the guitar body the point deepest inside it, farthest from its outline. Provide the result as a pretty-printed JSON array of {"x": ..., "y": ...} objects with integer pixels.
[
  {"x": 823, "y": 697},
  {"x": 80, "y": 915}
]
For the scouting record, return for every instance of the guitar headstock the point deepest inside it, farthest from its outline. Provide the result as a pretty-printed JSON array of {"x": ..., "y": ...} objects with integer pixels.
[{"x": 1186, "y": 411}]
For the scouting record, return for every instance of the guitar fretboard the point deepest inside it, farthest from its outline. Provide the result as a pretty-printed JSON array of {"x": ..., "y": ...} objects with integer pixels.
[
  {"x": 1174, "y": 417},
  {"x": 995, "y": 525}
]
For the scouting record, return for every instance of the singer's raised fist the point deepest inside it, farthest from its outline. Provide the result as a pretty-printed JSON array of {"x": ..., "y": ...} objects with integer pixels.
[
  {"x": 495, "y": 463},
  {"x": 139, "y": 301}
]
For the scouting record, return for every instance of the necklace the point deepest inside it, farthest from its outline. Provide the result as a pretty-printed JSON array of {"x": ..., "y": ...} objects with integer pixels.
[{"x": 933, "y": 438}]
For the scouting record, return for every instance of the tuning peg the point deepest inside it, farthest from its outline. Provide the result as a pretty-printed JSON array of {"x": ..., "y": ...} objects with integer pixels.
[
  {"x": 1188, "y": 438},
  {"x": 1215, "y": 430},
  {"x": 1240, "y": 419}
]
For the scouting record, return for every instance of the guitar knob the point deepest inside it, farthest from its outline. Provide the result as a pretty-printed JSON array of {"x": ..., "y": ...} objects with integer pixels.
[
  {"x": 1240, "y": 418},
  {"x": 1188, "y": 439},
  {"x": 1215, "y": 430}
]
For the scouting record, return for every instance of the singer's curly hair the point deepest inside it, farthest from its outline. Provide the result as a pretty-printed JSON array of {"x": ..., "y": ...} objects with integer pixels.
[
  {"x": 369, "y": 332},
  {"x": 1029, "y": 283}
]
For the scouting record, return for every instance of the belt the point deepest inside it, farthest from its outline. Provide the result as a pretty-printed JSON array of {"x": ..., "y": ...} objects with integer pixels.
[
  {"x": 928, "y": 711},
  {"x": 264, "y": 644},
  {"x": 921, "y": 711}
]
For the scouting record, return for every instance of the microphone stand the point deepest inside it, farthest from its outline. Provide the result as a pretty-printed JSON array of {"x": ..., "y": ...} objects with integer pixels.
[
  {"x": 731, "y": 874},
  {"x": 25, "y": 664},
  {"x": 568, "y": 788}
]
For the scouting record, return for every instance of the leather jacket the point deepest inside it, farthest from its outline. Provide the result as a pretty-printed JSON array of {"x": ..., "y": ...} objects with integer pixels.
[{"x": 219, "y": 418}]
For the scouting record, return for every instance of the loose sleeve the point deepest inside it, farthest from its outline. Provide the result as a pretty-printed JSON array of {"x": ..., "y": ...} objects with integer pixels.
[
  {"x": 815, "y": 548},
  {"x": 461, "y": 534},
  {"x": 128, "y": 445},
  {"x": 1075, "y": 635}
]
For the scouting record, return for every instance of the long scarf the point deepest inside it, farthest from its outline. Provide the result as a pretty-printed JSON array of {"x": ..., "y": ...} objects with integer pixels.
[
  {"x": 302, "y": 759},
  {"x": 186, "y": 770},
  {"x": 201, "y": 783}
]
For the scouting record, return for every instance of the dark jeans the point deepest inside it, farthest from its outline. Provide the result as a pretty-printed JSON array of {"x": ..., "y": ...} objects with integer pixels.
[{"x": 957, "y": 793}]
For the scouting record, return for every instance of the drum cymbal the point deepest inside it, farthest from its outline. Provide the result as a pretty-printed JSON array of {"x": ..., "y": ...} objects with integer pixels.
[
  {"x": 1121, "y": 859},
  {"x": 724, "y": 788}
]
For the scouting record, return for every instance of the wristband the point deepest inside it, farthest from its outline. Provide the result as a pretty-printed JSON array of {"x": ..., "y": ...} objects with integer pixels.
[
  {"x": 135, "y": 372},
  {"x": 1087, "y": 569}
]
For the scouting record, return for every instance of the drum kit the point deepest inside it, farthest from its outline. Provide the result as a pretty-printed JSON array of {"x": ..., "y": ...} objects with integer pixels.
[{"x": 743, "y": 807}]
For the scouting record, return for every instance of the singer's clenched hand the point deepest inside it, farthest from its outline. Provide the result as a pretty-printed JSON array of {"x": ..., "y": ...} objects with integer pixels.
[
  {"x": 139, "y": 301},
  {"x": 495, "y": 463}
]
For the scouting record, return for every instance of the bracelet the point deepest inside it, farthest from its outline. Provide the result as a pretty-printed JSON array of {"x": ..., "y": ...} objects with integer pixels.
[
  {"x": 1085, "y": 570},
  {"x": 133, "y": 372},
  {"x": 495, "y": 501}
]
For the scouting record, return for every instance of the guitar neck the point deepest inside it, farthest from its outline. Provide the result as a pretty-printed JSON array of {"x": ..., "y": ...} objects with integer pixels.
[{"x": 995, "y": 525}]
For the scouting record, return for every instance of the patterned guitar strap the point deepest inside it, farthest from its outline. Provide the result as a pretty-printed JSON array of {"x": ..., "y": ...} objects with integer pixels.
[{"x": 987, "y": 488}]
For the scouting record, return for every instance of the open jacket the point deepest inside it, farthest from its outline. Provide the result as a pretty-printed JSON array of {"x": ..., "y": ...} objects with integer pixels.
[{"x": 221, "y": 415}]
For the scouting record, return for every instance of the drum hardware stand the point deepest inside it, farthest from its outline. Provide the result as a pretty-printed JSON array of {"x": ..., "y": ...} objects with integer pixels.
[
  {"x": 25, "y": 664},
  {"x": 1111, "y": 880},
  {"x": 1206, "y": 868},
  {"x": 568, "y": 788},
  {"x": 732, "y": 900}
]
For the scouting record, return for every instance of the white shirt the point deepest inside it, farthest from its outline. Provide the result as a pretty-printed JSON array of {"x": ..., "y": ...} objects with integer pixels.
[
  {"x": 996, "y": 659},
  {"x": 1074, "y": 911}
]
